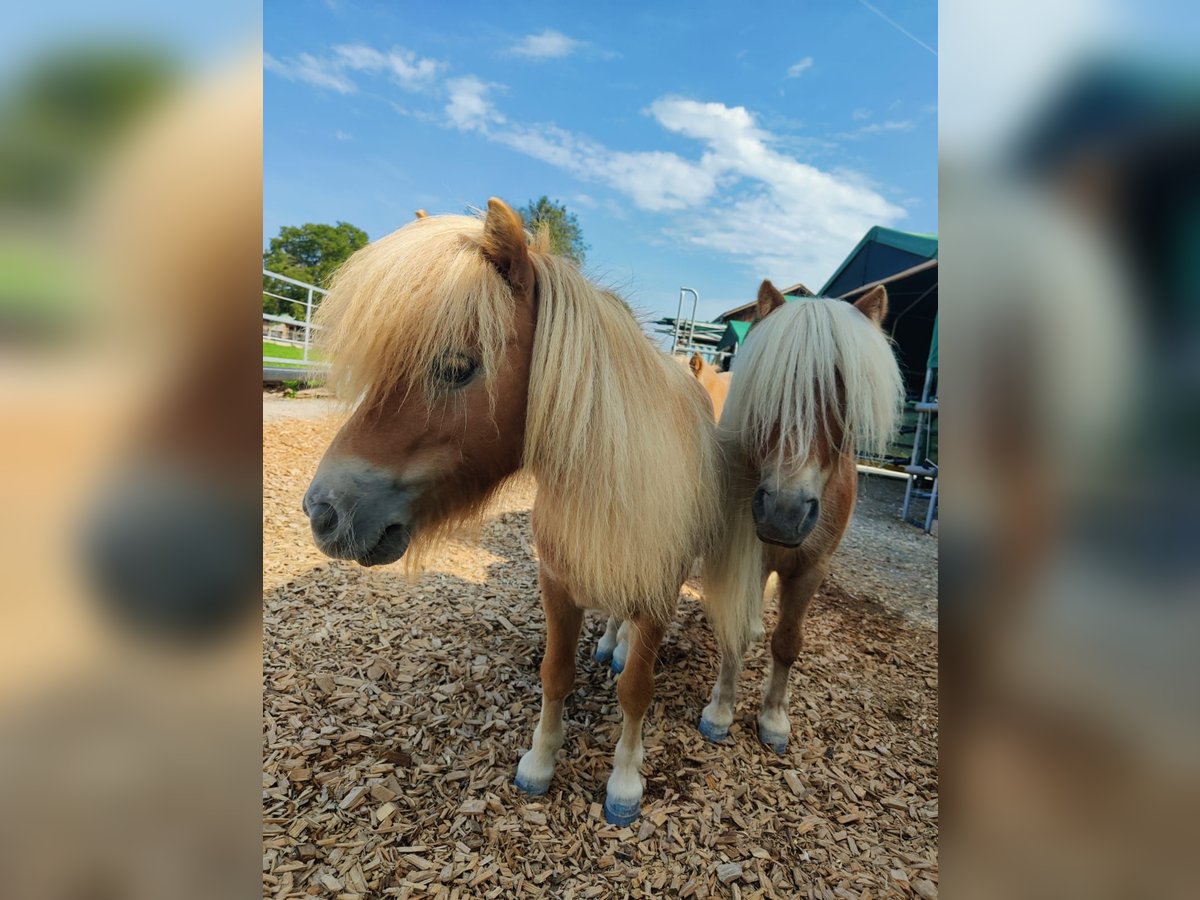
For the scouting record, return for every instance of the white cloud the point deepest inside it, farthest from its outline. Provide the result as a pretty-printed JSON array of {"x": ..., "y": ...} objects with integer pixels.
[
  {"x": 654, "y": 180},
  {"x": 790, "y": 220},
  {"x": 409, "y": 70},
  {"x": 795, "y": 70},
  {"x": 343, "y": 135},
  {"x": 891, "y": 125},
  {"x": 860, "y": 114},
  {"x": 310, "y": 70},
  {"x": 548, "y": 44},
  {"x": 469, "y": 108},
  {"x": 742, "y": 198},
  {"x": 740, "y": 194}
]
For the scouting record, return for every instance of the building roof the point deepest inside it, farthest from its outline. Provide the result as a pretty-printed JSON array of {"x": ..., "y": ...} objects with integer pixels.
[
  {"x": 735, "y": 333},
  {"x": 880, "y": 253},
  {"x": 796, "y": 290}
]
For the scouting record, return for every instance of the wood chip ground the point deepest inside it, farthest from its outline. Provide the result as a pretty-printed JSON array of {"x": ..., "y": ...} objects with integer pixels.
[{"x": 395, "y": 711}]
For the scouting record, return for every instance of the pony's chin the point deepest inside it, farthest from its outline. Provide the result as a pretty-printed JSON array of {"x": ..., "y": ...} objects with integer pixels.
[
  {"x": 392, "y": 545},
  {"x": 775, "y": 542}
]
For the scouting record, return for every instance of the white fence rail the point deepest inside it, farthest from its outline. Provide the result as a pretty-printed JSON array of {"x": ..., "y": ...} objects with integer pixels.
[{"x": 287, "y": 333}]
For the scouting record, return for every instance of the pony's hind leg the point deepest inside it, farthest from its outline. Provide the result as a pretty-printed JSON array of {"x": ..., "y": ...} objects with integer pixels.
[
  {"x": 621, "y": 651},
  {"x": 563, "y": 622},
  {"x": 635, "y": 689},
  {"x": 795, "y": 592},
  {"x": 608, "y": 641},
  {"x": 718, "y": 715}
]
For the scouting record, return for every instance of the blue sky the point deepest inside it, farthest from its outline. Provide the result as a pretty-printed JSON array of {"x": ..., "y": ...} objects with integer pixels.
[{"x": 711, "y": 146}]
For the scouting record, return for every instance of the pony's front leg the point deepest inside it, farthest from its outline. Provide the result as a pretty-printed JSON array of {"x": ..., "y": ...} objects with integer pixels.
[
  {"x": 635, "y": 689},
  {"x": 795, "y": 592},
  {"x": 718, "y": 715},
  {"x": 608, "y": 641},
  {"x": 563, "y": 622}
]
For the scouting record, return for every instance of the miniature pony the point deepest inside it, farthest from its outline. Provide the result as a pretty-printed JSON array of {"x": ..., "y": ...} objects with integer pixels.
[
  {"x": 714, "y": 382},
  {"x": 815, "y": 380},
  {"x": 473, "y": 355}
]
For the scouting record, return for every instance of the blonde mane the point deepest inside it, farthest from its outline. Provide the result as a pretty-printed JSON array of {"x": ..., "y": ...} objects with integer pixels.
[
  {"x": 795, "y": 367},
  {"x": 619, "y": 438}
]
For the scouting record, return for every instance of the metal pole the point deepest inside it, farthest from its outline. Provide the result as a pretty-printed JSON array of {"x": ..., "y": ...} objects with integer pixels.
[
  {"x": 678, "y": 313},
  {"x": 692, "y": 328},
  {"x": 307, "y": 323}
]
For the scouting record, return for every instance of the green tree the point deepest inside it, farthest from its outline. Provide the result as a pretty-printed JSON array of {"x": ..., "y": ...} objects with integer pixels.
[
  {"x": 566, "y": 236},
  {"x": 60, "y": 115},
  {"x": 310, "y": 253}
]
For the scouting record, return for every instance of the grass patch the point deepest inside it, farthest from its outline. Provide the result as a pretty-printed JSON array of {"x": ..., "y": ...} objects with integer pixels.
[{"x": 288, "y": 351}]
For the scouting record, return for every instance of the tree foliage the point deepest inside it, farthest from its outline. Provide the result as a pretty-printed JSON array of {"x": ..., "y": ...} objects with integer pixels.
[
  {"x": 566, "y": 235},
  {"x": 61, "y": 115},
  {"x": 310, "y": 253}
]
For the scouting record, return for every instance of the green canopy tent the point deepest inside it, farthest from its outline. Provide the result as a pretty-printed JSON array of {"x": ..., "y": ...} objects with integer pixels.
[{"x": 735, "y": 334}]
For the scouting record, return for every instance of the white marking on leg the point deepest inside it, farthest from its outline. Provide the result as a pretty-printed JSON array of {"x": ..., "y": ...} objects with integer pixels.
[
  {"x": 621, "y": 651},
  {"x": 773, "y": 718},
  {"x": 625, "y": 782},
  {"x": 718, "y": 715},
  {"x": 536, "y": 767},
  {"x": 608, "y": 641}
]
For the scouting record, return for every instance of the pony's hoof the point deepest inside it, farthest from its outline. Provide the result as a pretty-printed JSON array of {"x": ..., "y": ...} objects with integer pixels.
[
  {"x": 602, "y": 654},
  {"x": 532, "y": 788},
  {"x": 777, "y": 742},
  {"x": 618, "y": 813},
  {"x": 617, "y": 666},
  {"x": 711, "y": 732}
]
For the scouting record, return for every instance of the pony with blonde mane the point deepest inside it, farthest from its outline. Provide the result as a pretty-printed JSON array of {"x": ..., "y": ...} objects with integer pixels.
[
  {"x": 472, "y": 355},
  {"x": 815, "y": 381}
]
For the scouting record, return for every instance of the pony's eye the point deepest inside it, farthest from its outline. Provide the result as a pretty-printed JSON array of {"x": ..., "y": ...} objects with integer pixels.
[{"x": 455, "y": 370}]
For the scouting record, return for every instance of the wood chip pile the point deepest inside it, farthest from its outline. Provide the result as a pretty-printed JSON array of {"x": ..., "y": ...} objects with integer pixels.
[{"x": 395, "y": 712}]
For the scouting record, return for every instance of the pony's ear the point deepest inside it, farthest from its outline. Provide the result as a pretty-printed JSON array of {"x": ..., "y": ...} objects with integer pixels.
[
  {"x": 769, "y": 299},
  {"x": 505, "y": 246},
  {"x": 873, "y": 304},
  {"x": 696, "y": 364}
]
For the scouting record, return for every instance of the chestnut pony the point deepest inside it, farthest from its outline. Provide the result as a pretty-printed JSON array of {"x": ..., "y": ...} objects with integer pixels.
[
  {"x": 715, "y": 383},
  {"x": 472, "y": 355},
  {"x": 815, "y": 380}
]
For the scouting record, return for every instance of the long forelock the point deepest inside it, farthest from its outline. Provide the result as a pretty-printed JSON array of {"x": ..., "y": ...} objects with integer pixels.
[
  {"x": 814, "y": 367},
  {"x": 399, "y": 304}
]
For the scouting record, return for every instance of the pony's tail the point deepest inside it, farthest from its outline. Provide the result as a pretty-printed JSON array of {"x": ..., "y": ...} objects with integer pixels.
[{"x": 733, "y": 573}]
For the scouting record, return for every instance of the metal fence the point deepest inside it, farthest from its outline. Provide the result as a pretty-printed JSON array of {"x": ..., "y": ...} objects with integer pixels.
[
  {"x": 292, "y": 331},
  {"x": 689, "y": 336}
]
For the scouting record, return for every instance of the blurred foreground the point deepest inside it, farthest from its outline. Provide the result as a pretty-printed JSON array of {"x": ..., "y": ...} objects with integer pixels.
[
  {"x": 130, "y": 220},
  {"x": 1070, "y": 219}
]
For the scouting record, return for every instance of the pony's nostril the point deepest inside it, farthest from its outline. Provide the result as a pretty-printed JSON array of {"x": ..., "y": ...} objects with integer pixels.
[
  {"x": 758, "y": 505},
  {"x": 323, "y": 516}
]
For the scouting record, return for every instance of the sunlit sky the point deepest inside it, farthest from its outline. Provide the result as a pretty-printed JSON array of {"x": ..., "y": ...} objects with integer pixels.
[{"x": 710, "y": 146}]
